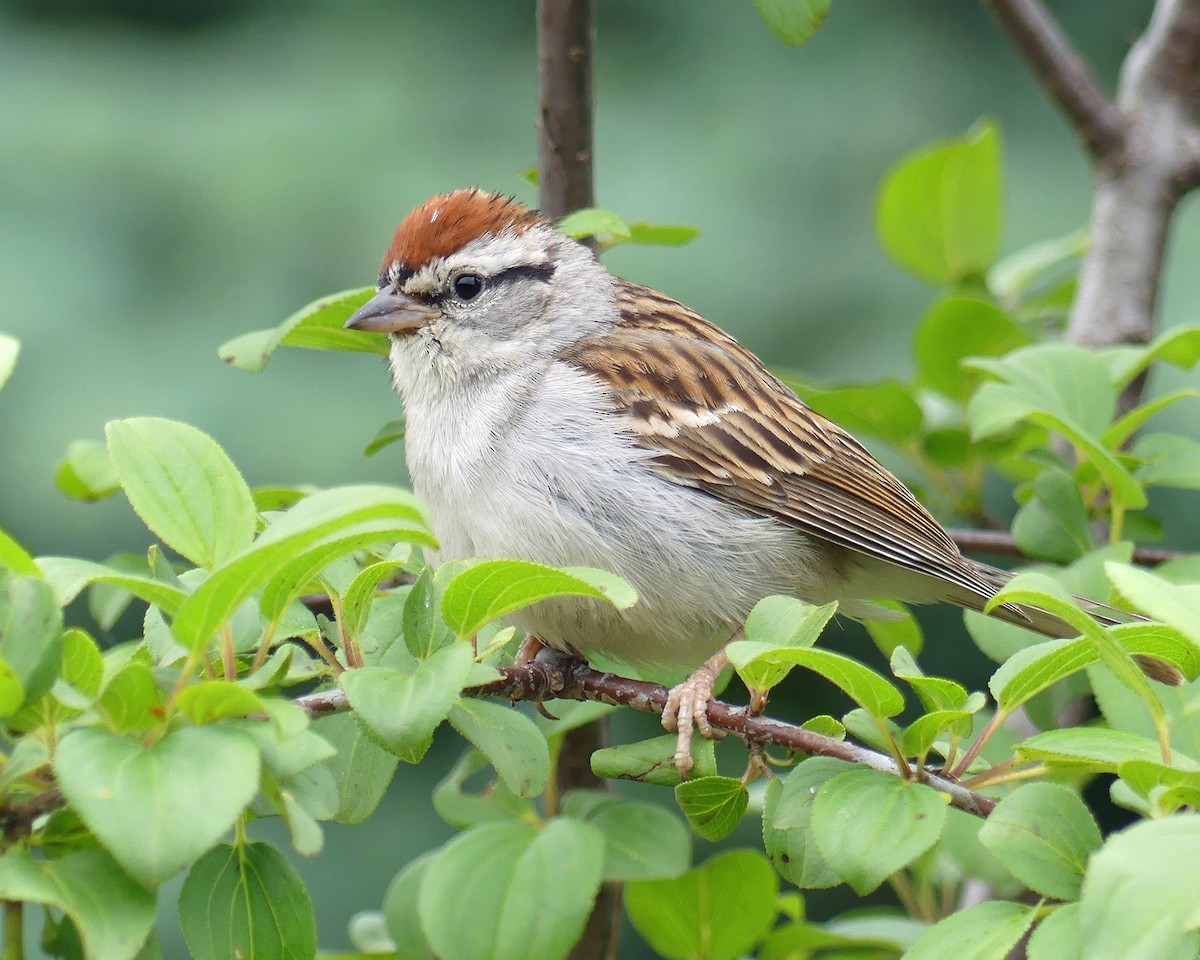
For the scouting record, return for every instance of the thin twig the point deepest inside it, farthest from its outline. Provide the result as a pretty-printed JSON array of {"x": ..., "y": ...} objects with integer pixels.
[
  {"x": 1064, "y": 74},
  {"x": 572, "y": 680},
  {"x": 999, "y": 543}
]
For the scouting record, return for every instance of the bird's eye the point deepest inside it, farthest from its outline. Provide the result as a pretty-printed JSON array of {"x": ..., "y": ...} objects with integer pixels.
[{"x": 467, "y": 286}]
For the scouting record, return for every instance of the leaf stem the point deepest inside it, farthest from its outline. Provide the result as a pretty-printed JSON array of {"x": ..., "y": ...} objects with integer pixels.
[
  {"x": 14, "y": 930},
  {"x": 228, "y": 655},
  {"x": 901, "y": 884},
  {"x": 973, "y": 752}
]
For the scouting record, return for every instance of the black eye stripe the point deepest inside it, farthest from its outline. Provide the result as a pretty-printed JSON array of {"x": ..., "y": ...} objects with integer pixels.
[{"x": 535, "y": 271}]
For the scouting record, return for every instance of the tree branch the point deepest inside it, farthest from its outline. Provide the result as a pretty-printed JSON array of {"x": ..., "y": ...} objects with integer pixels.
[
  {"x": 566, "y": 40},
  {"x": 1145, "y": 149},
  {"x": 1064, "y": 74},
  {"x": 566, "y": 33},
  {"x": 573, "y": 680}
]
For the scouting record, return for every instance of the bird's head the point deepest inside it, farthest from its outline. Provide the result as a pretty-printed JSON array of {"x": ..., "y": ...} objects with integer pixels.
[{"x": 480, "y": 273}]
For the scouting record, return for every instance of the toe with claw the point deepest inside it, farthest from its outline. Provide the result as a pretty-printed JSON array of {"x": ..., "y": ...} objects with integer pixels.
[{"x": 687, "y": 709}]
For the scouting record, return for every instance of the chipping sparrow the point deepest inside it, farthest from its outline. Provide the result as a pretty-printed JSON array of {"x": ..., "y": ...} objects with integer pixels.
[{"x": 558, "y": 414}]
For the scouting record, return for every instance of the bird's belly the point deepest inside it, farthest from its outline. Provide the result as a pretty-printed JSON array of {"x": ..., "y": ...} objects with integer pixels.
[
  {"x": 697, "y": 564},
  {"x": 561, "y": 486}
]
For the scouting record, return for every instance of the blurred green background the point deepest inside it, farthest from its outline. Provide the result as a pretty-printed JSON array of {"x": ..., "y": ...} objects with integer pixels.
[{"x": 176, "y": 172}]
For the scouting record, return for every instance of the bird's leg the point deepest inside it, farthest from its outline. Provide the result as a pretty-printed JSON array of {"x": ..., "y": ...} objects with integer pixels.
[
  {"x": 530, "y": 647},
  {"x": 687, "y": 708}
]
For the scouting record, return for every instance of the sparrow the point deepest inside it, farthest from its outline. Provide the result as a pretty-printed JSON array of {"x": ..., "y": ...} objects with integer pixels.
[{"x": 559, "y": 414}]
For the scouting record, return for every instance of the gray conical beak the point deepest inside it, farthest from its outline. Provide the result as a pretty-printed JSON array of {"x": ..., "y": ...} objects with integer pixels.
[{"x": 390, "y": 311}]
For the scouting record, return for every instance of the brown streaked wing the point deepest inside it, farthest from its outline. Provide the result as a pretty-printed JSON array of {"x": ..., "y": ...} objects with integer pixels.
[{"x": 720, "y": 422}]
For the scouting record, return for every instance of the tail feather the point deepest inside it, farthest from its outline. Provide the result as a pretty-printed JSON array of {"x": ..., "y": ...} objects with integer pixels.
[{"x": 1047, "y": 624}]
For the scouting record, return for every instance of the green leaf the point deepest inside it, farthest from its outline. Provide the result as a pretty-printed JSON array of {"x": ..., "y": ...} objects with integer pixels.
[
  {"x": 401, "y": 710},
  {"x": 652, "y": 761},
  {"x": 776, "y": 625},
  {"x": 868, "y": 824},
  {"x": 921, "y": 735},
  {"x": 1092, "y": 748},
  {"x": 900, "y": 630},
  {"x": 508, "y": 889},
  {"x": 70, "y": 575},
  {"x": 793, "y": 21},
  {"x": 887, "y": 409},
  {"x": 1174, "y": 605},
  {"x": 1164, "y": 784},
  {"x": 826, "y": 726},
  {"x": 1012, "y": 276},
  {"x": 424, "y": 630},
  {"x": 1044, "y": 834},
  {"x": 131, "y": 700},
  {"x": 356, "y": 601},
  {"x": 400, "y": 910},
  {"x": 1140, "y": 899},
  {"x": 718, "y": 911},
  {"x": 986, "y": 931},
  {"x": 661, "y": 234},
  {"x": 935, "y": 693},
  {"x": 15, "y": 557},
  {"x": 157, "y": 808},
  {"x": 386, "y": 435},
  {"x": 1167, "y": 460},
  {"x": 86, "y": 473},
  {"x": 712, "y": 805},
  {"x": 247, "y": 901},
  {"x": 10, "y": 349},
  {"x": 461, "y": 806},
  {"x": 1121, "y": 430},
  {"x": 787, "y": 823},
  {"x": 112, "y": 913},
  {"x": 604, "y": 225},
  {"x": 512, "y": 743},
  {"x": 955, "y": 328},
  {"x": 939, "y": 208},
  {"x": 491, "y": 589},
  {"x": 1028, "y": 672},
  {"x": 213, "y": 700},
  {"x": 1058, "y": 937},
  {"x": 1061, "y": 387},
  {"x": 354, "y": 516},
  {"x": 1180, "y": 347},
  {"x": 361, "y": 768},
  {"x": 863, "y": 685},
  {"x": 30, "y": 632},
  {"x": 642, "y": 841},
  {"x": 319, "y": 325},
  {"x": 12, "y": 693},
  {"x": 1054, "y": 524},
  {"x": 184, "y": 487}
]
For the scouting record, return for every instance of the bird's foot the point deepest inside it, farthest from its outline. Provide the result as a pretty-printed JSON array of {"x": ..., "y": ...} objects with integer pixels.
[
  {"x": 530, "y": 647},
  {"x": 687, "y": 709}
]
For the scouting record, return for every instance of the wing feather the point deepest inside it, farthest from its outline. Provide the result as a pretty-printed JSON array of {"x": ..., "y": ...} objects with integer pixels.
[{"x": 718, "y": 421}]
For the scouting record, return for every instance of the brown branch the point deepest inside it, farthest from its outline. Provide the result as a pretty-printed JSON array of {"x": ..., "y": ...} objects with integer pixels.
[
  {"x": 999, "y": 543},
  {"x": 17, "y": 819},
  {"x": 560, "y": 678},
  {"x": 566, "y": 40},
  {"x": 1064, "y": 74},
  {"x": 566, "y": 33}
]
